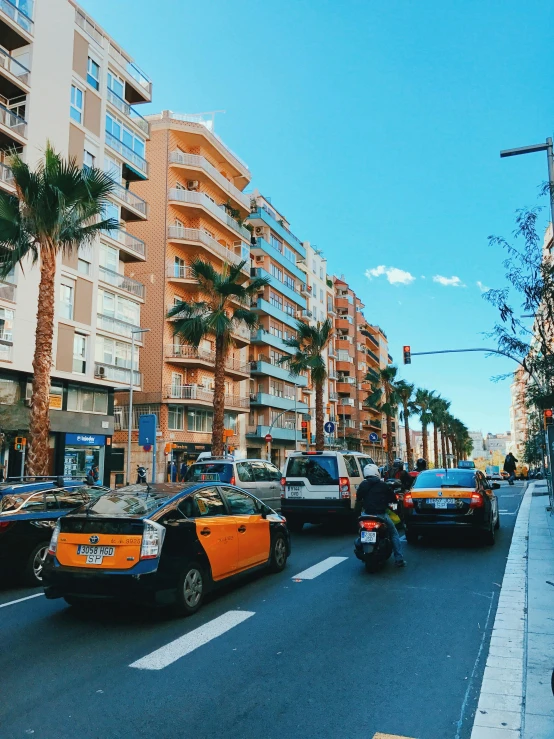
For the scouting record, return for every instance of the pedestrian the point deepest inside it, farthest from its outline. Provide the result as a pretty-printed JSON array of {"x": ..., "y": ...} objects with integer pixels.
[
  {"x": 510, "y": 467},
  {"x": 184, "y": 468},
  {"x": 173, "y": 472},
  {"x": 93, "y": 477}
]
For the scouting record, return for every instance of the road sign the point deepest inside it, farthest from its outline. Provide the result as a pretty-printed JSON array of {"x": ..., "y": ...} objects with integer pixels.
[
  {"x": 373, "y": 437},
  {"x": 268, "y": 438},
  {"x": 147, "y": 429},
  {"x": 329, "y": 427},
  {"x": 384, "y": 436},
  {"x": 147, "y": 447}
]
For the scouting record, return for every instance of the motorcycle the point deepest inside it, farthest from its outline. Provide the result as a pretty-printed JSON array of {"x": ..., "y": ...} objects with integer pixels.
[
  {"x": 141, "y": 474},
  {"x": 373, "y": 545}
]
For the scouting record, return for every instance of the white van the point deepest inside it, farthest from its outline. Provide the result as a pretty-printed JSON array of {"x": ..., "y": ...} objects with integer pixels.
[{"x": 317, "y": 486}]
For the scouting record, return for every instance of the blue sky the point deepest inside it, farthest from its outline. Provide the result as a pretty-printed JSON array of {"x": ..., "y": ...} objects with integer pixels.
[{"x": 376, "y": 129}]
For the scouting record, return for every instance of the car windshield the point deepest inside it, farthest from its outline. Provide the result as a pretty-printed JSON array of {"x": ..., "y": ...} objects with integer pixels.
[
  {"x": 127, "y": 503},
  {"x": 209, "y": 472},
  {"x": 318, "y": 470},
  {"x": 444, "y": 478},
  {"x": 363, "y": 461}
]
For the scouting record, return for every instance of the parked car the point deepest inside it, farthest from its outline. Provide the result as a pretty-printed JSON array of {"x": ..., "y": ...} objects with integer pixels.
[
  {"x": 493, "y": 472},
  {"x": 257, "y": 476},
  {"x": 26, "y": 523},
  {"x": 318, "y": 486},
  {"x": 30, "y": 486},
  {"x": 162, "y": 547}
]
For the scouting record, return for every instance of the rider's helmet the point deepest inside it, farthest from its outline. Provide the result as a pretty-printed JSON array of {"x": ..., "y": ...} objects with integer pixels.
[
  {"x": 397, "y": 465},
  {"x": 421, "y": 465},
  {"x": 371, "y": 470}
]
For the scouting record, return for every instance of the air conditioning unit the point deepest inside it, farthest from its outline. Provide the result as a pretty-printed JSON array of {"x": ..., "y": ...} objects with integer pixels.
[
  {"x": 259, "y": 230},
  {"x": 193, "y": 184},
  {"x": 100, "y": 372},
  {"x": 259, "y": 258}
]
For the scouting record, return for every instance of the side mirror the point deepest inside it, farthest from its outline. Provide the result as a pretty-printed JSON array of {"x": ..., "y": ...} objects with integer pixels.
[
  {"x": 265, "y": 511},
  {"x": 496, "y": 486}
]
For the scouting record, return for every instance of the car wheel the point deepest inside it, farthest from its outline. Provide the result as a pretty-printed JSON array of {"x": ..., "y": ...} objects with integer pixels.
[
  {"x": 278, "y": 559},
  {"x": 33, "y": 569},
  {"x": 190, "y": 590},
  {"x": 295, "y": 525},
  {"x": 412, "y": 537}
]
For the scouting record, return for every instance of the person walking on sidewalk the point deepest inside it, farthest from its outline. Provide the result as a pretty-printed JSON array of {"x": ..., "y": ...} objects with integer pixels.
[{"x": 510, "y": 467}]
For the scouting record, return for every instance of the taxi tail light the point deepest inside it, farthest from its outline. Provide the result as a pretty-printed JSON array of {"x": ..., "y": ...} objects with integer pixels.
[
  {"x": 477, "y": 500},
  {"x": 152, "y": 540},
  {"x": 233, "y": 480},
  {"x": 370, "y": 525},
  {"x": 52, "y": 549},
  {"x": 283, "y": 483},
  {"x": 344, "y": 487},
  {"x": 408, "y": 500}
]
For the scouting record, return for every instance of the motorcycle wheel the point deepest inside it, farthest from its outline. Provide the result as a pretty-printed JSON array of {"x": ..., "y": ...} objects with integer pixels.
[{"x": 372, "y": 565}]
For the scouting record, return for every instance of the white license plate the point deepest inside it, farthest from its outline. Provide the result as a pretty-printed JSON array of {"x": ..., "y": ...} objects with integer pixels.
[
  {"x": 293, "y": 491},
  {"x": 440, "y": 502},
  {"x": 95, "y": 554},
  {"x": 209, "y": 477},
  {"x": 369, "y": 537}
]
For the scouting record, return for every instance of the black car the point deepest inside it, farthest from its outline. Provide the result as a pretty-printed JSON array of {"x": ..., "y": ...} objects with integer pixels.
[
  {"x": 26, "y": 523},
  {"x": 165, "y": 544}
]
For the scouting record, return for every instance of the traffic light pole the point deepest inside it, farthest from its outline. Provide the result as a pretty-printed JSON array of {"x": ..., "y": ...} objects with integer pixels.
[{"x": 22, "y": 474}]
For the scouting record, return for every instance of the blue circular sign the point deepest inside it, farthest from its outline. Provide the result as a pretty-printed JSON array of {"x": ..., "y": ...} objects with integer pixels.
[
  {"x": 373, "y": 437},
  {"x": 329, "y": 427}
]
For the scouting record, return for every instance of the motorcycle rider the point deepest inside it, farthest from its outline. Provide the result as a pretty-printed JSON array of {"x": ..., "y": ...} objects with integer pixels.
[
  {"x": 374, "y": 496},
  {"x": 397, "y": 472},
  {"x": 421, "y": 466}
]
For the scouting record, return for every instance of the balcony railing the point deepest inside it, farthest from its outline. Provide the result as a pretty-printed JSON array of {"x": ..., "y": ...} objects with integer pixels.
[
  {"x": 179, "y": 271},
  {"x": 197, "y": 392},
  {"x": 200, "y": 162},
  {"x": 6, "y": 335},
  {"x": 304, "y": 313},
  {"x": 126, "y": 151},
  {"x": 13, "y": 121},
  {"x": 199, "y": 198},
  {"x": 121, "y": 281},
  {"x": 196, "y": 235},
  {"x": 372, "y": 354},
  {"x": 124, "y": 107},
  {"x": 88, "y": 27},
  {"x": 346, "y": 401},
  {"x": 115, "y": 326},
  {"x": 129, "y": 197},
  {"x": 347, "y": 380},
  {"x": 131, "y": 242},
  {"x": 333, "y": 396},
  {"x": 22, "y": 19},
  {"x": 12, "y": 65},
  {"x": 185, "y": 351},
  {"x": 117, "y": 374},
  {"x": 7, "y": 291},
  {"x": 131, "y": 69}
]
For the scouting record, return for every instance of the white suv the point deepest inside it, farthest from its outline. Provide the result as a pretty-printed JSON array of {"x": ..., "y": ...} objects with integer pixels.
[{"x": 318, "y": 486}]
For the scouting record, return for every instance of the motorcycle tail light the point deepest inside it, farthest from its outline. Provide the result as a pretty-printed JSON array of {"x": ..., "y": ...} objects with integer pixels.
[
  {"x": 344, "y": 487},
  {"x": 54, "y": 540},
  {"x": 370, "y": 525},
  {"x": 477, "y": 500},
  {"x": 233, "y": 480},
  {"x": 408, "y": 500},
  {"x": 152, "y": 540}
]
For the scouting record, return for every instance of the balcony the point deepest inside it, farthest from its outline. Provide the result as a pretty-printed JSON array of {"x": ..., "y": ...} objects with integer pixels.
[
  {"x": 347, "y": 401},
  {"x": 196, "y": 236},
  {"x": 138, "y": 87},
  {"x": 280, "y": 229},
  {"x": 265, "y": 306},
  {"x": 264, "y": 366},
  {"x": 200, "y": 395},
  {"x": 275, "y": 401},
  {"x": 6, "y": 351},
  {"x": 7, "y": 291},
  {"x": 137, "y": 166},
  {"x": 15, "y": 80},
  {"x": 277, "y": 256},
  {"x": 372, "y": 355},
  {"x": 115, "y": 326},
  {"x": 306, "y": 290},
  {"x": 261, "y": 336},
  {"x": 286, "y": 290},
  {"x": 191, "y": 357},
  {"x": 304, "y": 315},
  {"x": 132, "y": 115},
  {"x": 13, "y": 125},
  {"x": 278, "y": 434},
  {"x": 301, "y": 264},
  {"x": 200, "y": 199},
  {"x": 195, "y": 161},
  {"x": 6, "y": 178},
  {"x": 133, "y": 208},
  {"x": 18, "y": 26},
  {"x": 122, "y": 282},
  {"x": 131, "y": 248},
  {"x": 180, "y": 273},
  {"x": 117, "y": 374},
  {"x": 333, "y": 397}
]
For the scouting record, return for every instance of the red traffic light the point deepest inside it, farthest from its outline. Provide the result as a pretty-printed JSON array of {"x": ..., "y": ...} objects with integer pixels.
[
  {"x": 407, "y": 355},
  {"x": 548, "y": 413}
]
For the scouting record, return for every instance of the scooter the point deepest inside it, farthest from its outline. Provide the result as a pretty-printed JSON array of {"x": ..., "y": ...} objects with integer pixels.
[
  {"x": 141, "y": 474},
  {"x": 373, "y": 545}
]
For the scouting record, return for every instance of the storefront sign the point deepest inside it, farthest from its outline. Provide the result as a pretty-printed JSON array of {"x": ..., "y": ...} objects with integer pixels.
[
  {"x": 56, "y": 402},
  {"x": 85, "y": 439}
]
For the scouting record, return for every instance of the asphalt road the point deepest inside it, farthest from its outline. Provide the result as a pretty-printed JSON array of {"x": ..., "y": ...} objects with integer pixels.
[{"x": 343, "y": 654}]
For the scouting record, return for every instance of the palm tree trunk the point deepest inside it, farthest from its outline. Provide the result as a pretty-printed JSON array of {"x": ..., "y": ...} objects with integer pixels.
[
  {"x": 454, "y": 451},
  {"x": 390, "y": 455},
  {"x": 425, "y": 442},
  {"x": 443, "y": 445},
  {"x": 219, "y": 397},
  {"x": 319, "y": 419},
  {"x": 407, "y": 436},
  {"x": 436, "y": 444},
  {"x": 39, "y": 424}
]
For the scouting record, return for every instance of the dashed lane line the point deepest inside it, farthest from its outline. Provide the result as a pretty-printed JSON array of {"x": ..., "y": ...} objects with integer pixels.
[
  {"x": 319, "y": 568},
  {"x": 20, "y": 600},
  {"x": 186, "y": 644}
]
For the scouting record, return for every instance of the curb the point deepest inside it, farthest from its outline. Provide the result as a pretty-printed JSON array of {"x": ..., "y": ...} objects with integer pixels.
[{"x": 500, "y": 710}]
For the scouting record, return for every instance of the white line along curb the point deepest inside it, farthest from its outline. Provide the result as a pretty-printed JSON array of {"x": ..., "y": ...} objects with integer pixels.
[{"x": 500, "y": 708}]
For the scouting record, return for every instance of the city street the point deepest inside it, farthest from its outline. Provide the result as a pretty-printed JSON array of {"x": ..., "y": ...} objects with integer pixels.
[{"x": 336, "y": 652}]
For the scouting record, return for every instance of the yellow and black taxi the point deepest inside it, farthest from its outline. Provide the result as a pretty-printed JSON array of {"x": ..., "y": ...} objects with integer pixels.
[
  {"x": 164, "y": 544},
  {"x": 451, "y": 499}
]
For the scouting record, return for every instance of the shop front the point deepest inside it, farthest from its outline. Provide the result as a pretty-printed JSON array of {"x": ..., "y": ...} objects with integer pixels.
[
  {"x": 82, "y": 452},
  {"x": 183, "y": 454}
]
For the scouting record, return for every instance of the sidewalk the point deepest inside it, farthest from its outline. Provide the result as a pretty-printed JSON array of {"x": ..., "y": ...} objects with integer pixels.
[{"x": 516, "y": 700}]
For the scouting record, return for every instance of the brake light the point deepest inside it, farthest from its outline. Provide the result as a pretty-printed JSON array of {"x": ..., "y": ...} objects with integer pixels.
[
  {"x": 54, "y": 540},
  {"x": 4, "y": 525},
  {"x": 408, "y": 500},
  {"x": 477, "y": 500},
  {"x": 152, "y": 540},
  {"x": 233, "y": 480},
  {"x": 344, "y": 487},
  {"x": 283, "y": 483},
  {"x": 370, "y": 525}
]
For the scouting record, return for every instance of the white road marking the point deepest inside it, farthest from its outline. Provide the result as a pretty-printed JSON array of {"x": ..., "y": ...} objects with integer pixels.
[
  {"x": 178, "y": 648},
  {"x": 319, "y": 568},
  {"x": 20, "y": 600},
  {"x": 508, "y": 513}
]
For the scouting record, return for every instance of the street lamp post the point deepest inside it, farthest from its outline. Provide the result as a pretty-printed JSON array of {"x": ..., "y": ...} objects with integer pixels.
[
  {"x": 548, "y": 148},
  {"x": 131, "y": 383}
]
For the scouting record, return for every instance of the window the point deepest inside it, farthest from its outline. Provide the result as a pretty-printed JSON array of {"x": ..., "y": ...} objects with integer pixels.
[
  {"x": 112, "y": 167},
  {"x": 67, "y": 291},
  {"x": 351, "y": 466},
  {"x": 207, "y": 503},
  {"x": 261, "y": 473},
  {"x": 115, "y": 306},
  {"x": 111, "y": 210},
  {"x": 116, "y": 353},
  {"x": 276, "y": 388},
  {"x": 276, "y": 243},
  {"x": 6, "y": 324},
  {"x": 276, "y": 300},
  {"x": 83, "y": 267},
  {"x": 119, "y": 131},
  {"x": 9, "y": 390},
  {"x": 76, "y": 107},
  {"x": 317, "y": 470},
  {"x": 289, "y": 282},
  {"x": 178, "y": 267},
  {"x": 80, "y": 354},
  {"x": 115, "y": 84},
  {"x": 93, "y": 73},
  {"x": 289, "y": 254},
  {"x": 273, "y": 472},
  {"x": 176, "y": 381},
  {"x": 289, "y": 309},
  {"x": 240, "y": 504},
  {"x": 199, "y": 420},
  {"x": 88, "y": 160},
  {"x": 321, "y": 295},
  {"x": 277, "y": 273},
  {"x": 244, "y": 469},
  {"x": 175, "y": 417},
  {"x": 109, "y": 257},
  {"x": 321, "y": 273},
  {"x": 87, "y": 400}
]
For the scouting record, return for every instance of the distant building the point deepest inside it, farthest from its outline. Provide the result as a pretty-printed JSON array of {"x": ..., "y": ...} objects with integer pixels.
[
  {"x": 478, "y": 443},
  {"x": 498, "y": 443}
]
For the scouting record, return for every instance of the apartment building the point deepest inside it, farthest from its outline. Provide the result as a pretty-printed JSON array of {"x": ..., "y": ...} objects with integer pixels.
[
  {"x": 478, "y": 444},
  {"x": 197, "y": 207},
  {"x": 518, "y": 414},
  {"x": 276, "y": 397},
  {"x": 64, "y": 79}
]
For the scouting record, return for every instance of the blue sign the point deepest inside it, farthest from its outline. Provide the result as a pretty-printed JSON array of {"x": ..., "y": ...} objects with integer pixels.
[
  {"x": 147, "y": 429},
  {"x": 329, "y": 427},
  {"x": 85, "y": 440},
  {"x": 373, "y": 437}
]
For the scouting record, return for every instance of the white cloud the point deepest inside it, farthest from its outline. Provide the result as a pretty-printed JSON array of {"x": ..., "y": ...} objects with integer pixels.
[
  {"x": 482, "y": 287},
  {"x": 448, "y": 281},
  {"x": 394, "y": 275}
]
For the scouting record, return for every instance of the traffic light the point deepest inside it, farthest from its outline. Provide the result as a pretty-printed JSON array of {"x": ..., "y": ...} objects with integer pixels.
[
  {"x": 304, "y": 429},
  {"x": 548, "y": 417},
  {"x": 407, "y": 355},
  {"x": 20, "y": 443}
]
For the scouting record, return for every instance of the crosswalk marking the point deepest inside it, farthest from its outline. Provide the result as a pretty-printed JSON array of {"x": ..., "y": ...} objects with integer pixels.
[
  {"x": 319, "y": 568},
  {"x": 178, "y": 648}
]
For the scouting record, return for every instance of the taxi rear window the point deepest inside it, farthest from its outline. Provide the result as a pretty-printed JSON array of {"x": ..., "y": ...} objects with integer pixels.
[
  {"x": 210, "y": 472},
  {"x": 445, "y": 478},
  {"x": 127, "y": 504}
]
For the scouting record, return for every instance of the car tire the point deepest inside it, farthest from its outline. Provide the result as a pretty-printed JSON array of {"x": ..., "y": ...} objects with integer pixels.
[
  {"x": 278, "y": 558},
  {"x": 411, "y": 537},
  {"x": 190, "y": 590},
  {"x": 33, "y": 568},
  {"x": 295, "y": 525}
]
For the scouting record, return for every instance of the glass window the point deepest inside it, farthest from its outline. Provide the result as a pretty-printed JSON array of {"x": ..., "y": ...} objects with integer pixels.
[
  {"x": 240, "y": 504},
  {"x": 80, "y": 354},
  {"x": 445, "y": 478},
  {"x": 273, "y": 472},
  {"x": 83, "y": 267},
  {"x": 93, "y": 73},
  {"x": 318, "y": 470},
  {"x": 89, "y": 400},
  {"x": 69, "y": 499},
  {"x": 67, "y": 291},
  {"x": 175, "y": 417},
  {"x": 351, "y": 467},
  {"x": 261, "y": 473},
  {"x": 277, "y": 273},
  {"x": 244, "y": 471},
  {"x": 289, "y": 254},
  {"x": 210, "y": 472},
  {"x": 88, "y": 160},
  {"x": 276, "y": 243},
  {"x": 6, "y": 324},
  {"x": 115, "y": 84},
  {"x": 208, "y": 502},
  {"x": 76, "y": 107}
]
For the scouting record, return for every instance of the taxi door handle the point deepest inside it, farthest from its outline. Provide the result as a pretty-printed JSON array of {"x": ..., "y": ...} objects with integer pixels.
[
  {"x": 206, "y": 532},
  {"x": 241, "y": 529}
]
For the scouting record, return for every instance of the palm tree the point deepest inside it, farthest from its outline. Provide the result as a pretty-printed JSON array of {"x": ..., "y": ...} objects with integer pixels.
[
  {"x": 383, "y": 396},
  {"x": 214, "y": 315},
  {"x": 405, "y": 393},
  {"x": 422, "y": 403},
  {"x": 439, "y": 407},
  {"x": 58, "y": 207},
  {"x": 308, "y": 346}
]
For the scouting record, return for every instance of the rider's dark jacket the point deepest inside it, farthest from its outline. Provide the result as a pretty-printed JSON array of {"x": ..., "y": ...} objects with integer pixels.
[{"x": 374, "y": 496}]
